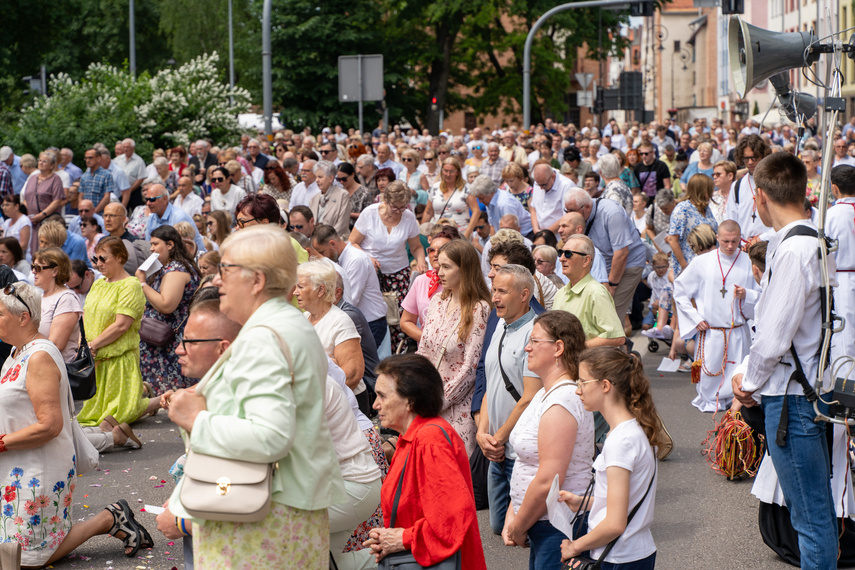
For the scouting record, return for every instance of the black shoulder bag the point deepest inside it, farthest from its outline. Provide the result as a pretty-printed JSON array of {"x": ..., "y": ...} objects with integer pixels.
[
  {"x": 81, "y": 370},
  {"x": 583, "y": 562},
  {"x": 405, "y": 560}
]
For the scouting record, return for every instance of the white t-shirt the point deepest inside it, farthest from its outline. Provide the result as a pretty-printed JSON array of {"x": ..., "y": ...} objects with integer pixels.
[
  {"x": 14, "y": 230},
  {"x": 355, "y": 457},
  {"x": 333, "y": 329},
  {"x": 389, "y": 248},
  {"x": 627, "y": 447},
  {"x": 455, "y": 208},
  {"x": 524, "y": 441},
  {"x": 227, "y": 201}
]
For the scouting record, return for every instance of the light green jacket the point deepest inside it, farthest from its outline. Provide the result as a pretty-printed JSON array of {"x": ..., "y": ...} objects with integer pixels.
[{"x": 255, "y": 413}]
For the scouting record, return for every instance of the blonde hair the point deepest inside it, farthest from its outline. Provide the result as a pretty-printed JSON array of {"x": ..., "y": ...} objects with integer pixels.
[
  {"x": 53, "y": 233},
  {"x": 396, "y": 193},
  {"x": 265, "y": 248},
  {"x": 320, "y": 273},
  {"x": 460, "y": 182}
]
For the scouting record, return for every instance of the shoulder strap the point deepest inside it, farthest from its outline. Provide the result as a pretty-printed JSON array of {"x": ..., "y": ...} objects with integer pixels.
[
  {"x": 634, "y": 510},
  {"x": 401, "y": 479}
]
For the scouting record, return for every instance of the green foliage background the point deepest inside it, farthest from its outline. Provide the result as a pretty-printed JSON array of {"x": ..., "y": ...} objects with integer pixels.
[{"x": 467, "y": 53}]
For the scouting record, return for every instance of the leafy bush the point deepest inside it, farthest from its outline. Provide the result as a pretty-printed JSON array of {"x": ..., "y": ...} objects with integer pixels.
[{"x": 108, "y": 104}]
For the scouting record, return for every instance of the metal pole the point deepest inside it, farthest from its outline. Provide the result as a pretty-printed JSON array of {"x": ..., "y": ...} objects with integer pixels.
[
  {"x": 672, "y": 79},
  {"x": 529, "y": 40},
  {"x": 267, "y": 86},
  {"x": 133, "y": 38},
  {"x": 43, "y": 78},
  {"x": 231, "y": 57},
  {"x": 359, "y": 81}
]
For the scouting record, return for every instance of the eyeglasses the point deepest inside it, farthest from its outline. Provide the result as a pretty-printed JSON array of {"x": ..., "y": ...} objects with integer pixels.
[
  {"x": 269, "y": 168},
  {"x": 10, "y": 290},
  {"x": 429, "y": 159},
  {"x": 40, "y": 268},
  {"x": 569, "y": 253},
  {"x": 185, "y": 341},
  {"x": 218, "y": 179},
  {"x": 645, "y": 153},
  {"x": 221, "y": 266},
  {"x": 660, "y": 267},
  {"x": 396, "y": 208},
  {"x": 327, "y": 151},
  {"x": 537, "y": 340},
  {"x": 151, "y": 199},
  {"x": 341, "y": 180},
  {"x": 242, "y": 222},
  {"x": 481, "y": 227},
  {"x": 582, "y": 382},
  {"x": 296, "y": 227},
  {"x": 407, "y": 159},
  {"x": 540, "y": 261},
  {"x": 751, "y": 158}
]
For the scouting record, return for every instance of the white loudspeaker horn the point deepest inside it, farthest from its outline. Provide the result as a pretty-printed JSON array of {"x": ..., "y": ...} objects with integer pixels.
[{"x": 756, "y": 54}]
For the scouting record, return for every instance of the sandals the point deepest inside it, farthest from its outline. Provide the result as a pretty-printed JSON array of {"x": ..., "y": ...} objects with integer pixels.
[
  {"x": 131, "y": 435},
  {"x": 136, "y": 536}
]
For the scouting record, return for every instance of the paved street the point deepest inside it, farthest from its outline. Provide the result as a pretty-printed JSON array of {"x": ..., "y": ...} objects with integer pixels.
[{"x": 702, "y": 520}]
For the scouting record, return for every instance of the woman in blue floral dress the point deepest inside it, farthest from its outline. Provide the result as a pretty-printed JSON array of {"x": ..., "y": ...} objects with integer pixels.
[
  {"x": 168, "y": 293},
  {"x": 690, "y": 212}
]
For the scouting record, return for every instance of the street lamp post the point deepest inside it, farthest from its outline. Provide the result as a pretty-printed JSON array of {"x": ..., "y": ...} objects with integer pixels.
[
  {"x": 685, "y": 56},
  {"x": 659, "y": 33},
  {"x": 132, "y": 59},
  {"x": 231, "y": 58}
]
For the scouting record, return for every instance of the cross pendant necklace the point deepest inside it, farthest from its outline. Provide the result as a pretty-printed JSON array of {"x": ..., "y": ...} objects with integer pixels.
[
  {"x": 724, "y": 275},
  {"x": 753, "y": 199}
]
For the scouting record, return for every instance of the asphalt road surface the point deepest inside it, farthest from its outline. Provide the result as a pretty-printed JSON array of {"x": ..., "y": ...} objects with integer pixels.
[{"x": 702, "y": 521}]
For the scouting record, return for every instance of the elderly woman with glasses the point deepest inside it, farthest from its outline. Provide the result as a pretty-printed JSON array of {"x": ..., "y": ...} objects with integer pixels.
[
  {"x": 43, "y": 195},
  {"x": 414, "y": 178},
  {"x": 268, "y": 406},
  {"x": 384, "y": 231},
  {"x": 111, "y": 318}
]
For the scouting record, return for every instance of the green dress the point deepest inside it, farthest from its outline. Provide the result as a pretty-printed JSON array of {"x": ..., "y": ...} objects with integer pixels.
[{"x": 117, "y": 365}]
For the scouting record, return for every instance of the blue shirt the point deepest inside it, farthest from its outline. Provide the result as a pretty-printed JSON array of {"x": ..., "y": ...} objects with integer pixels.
[
  {"x": 611, "y": 229},
  {"x": 75, "y": 248},
  {"x": 120, "y": 179},
  {"x": 18, "y": 176},
  {"x": 171, "y": 217},
  {"x": 502, "y": 204},
  {"x": 94, "y": 185},
  {"x": 74, "y": 224},
  {"x": 74, "y": 172}
]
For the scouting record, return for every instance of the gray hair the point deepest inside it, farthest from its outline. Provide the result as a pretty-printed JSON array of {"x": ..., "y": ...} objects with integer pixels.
[
  {"x": 609, "y": 166},
  {"x": 320, "y": 273},
  {"x": 548, "y": 252},
  {"x": 31, "y": 298},
  {"x": 160, "y": 161},
  {"x": 587, "y": 246},
  {"x": 203, "y": 142},
  {"x": 483, "y": 185},
  {"x": 130, "y": 142},
  {"x": 364, "y": 160},
  {"x": 326, "y": 168},
  {"x": 578, "y": 195},
  {"x": 511, "y": 219},
  {"x": 522, "y": 277},
  {"x": 664, "y": 197},
  {"x": 492, "y": 145}
]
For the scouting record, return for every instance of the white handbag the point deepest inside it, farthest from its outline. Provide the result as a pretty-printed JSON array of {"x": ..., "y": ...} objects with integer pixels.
[
  {"x": 87, "y": 457},
  {"x": 219, "y": 489}
]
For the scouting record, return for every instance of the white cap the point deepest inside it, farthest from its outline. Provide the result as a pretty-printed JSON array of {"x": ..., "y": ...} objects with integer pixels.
[
  {"x": 326, "y": 130},
  {"x": 5, "y": 153}
]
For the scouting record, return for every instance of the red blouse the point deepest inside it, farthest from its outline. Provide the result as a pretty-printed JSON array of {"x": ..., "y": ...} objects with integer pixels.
[{"x": 437, "y": 504}]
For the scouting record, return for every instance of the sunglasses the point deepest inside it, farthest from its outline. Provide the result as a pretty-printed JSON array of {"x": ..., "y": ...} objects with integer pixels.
[
  {"x": 40, "y": 268},
  {"x": 407, "y": 160},
  {"x": 242, "y": 222},
  {"x": 154, "y": 198},
  {"x": 429, "y": 159},
  {"x": 185, "y": 341},
  {"x": 218, "y": 179},
  {"x": 644, "y": 153},
  {"x": 327, "y": 151},
  {"x": 96, "y": 258},
  {"x": 341, "y": 180},
  {"x": 569, "y": 253},
  {"x": 10, "y": 290},
  {"x": 269, "y": 168},
  {"x": 296, "y": 227},
  {"x": 481, "y": 227}
]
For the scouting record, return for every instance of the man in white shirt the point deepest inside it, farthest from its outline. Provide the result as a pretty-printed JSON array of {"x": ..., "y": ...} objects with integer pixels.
[
  {"x": 134, "y": 167},
  {"x": 547, "y": 199},
  {"x": 841, "y": 156},
  {"x": 225, "y": 195},
  {"x": 303, "y": 192},
  {"x": 365, "y": 290},
  {"x": 788, "y": 325},
  {"x": 840, "y": 225},
  {"x": 186, "y": 199},
  {"x": 384, "y": 160},
  {"x": 742, "y": 202}
]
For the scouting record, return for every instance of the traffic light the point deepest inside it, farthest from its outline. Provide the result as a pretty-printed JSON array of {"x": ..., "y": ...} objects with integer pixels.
[
  {"x": 642, "y": 9},
  {"x": 433, "y": 105},
  {"x": 599, "y": 101}
]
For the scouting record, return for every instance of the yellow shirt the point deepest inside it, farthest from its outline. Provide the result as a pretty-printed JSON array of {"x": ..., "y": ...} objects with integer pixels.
[{"x": 593, "y": 305}]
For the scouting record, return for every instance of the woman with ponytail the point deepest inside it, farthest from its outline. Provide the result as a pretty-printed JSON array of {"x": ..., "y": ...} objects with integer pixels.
[{"x": 613, "y": 383}]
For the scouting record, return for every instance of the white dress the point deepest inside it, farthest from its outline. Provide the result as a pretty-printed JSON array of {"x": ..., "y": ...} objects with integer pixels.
[
  {"x": 36, "y": 484},
  {"x": 455, "y": 207}
]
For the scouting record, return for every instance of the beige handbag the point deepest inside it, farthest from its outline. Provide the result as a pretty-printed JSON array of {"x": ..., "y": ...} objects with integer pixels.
[
  {"x": 219, "y": 489},
  {"x": 393, "y": 314}
]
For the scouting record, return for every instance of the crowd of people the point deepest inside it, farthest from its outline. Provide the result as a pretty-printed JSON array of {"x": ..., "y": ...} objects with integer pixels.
[{"x": 406, "y": 324}]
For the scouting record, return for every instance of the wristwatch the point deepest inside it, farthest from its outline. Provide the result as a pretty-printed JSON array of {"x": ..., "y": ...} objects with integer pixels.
[{"x": 613, "y": 284}]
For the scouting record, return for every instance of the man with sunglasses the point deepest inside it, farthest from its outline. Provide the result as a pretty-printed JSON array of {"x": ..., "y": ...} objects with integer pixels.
[
  {"x": 165, "y": 214},
  {"x": 652, "y": 173},
  {"x": 584, "y": 297},
  {"x": 329, "y": 152},
  {"x": 86, "y": 208},
  {"x": 82, "y": 277}
]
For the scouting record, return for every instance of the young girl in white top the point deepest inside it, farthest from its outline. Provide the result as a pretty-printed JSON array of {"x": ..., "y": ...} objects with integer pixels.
[{"x": 614, "y": 384}]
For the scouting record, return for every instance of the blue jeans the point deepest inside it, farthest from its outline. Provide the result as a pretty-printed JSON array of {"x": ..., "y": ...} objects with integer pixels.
[
  {"x": 580, "y": 529},
  {"x": 545, "y": 545},
  {"x": 378, "y": 330},
  {"x": 499, "y": 492},
  {"x": 804, "y": 472}
]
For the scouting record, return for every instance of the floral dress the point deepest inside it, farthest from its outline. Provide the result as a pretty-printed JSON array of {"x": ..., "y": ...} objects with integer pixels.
[
  {"x": 458, "y": 364},
  {"x": 36, "y": 485},
  {"x": 159, "y": 364},
  {"x": 684, "y": 219}
]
